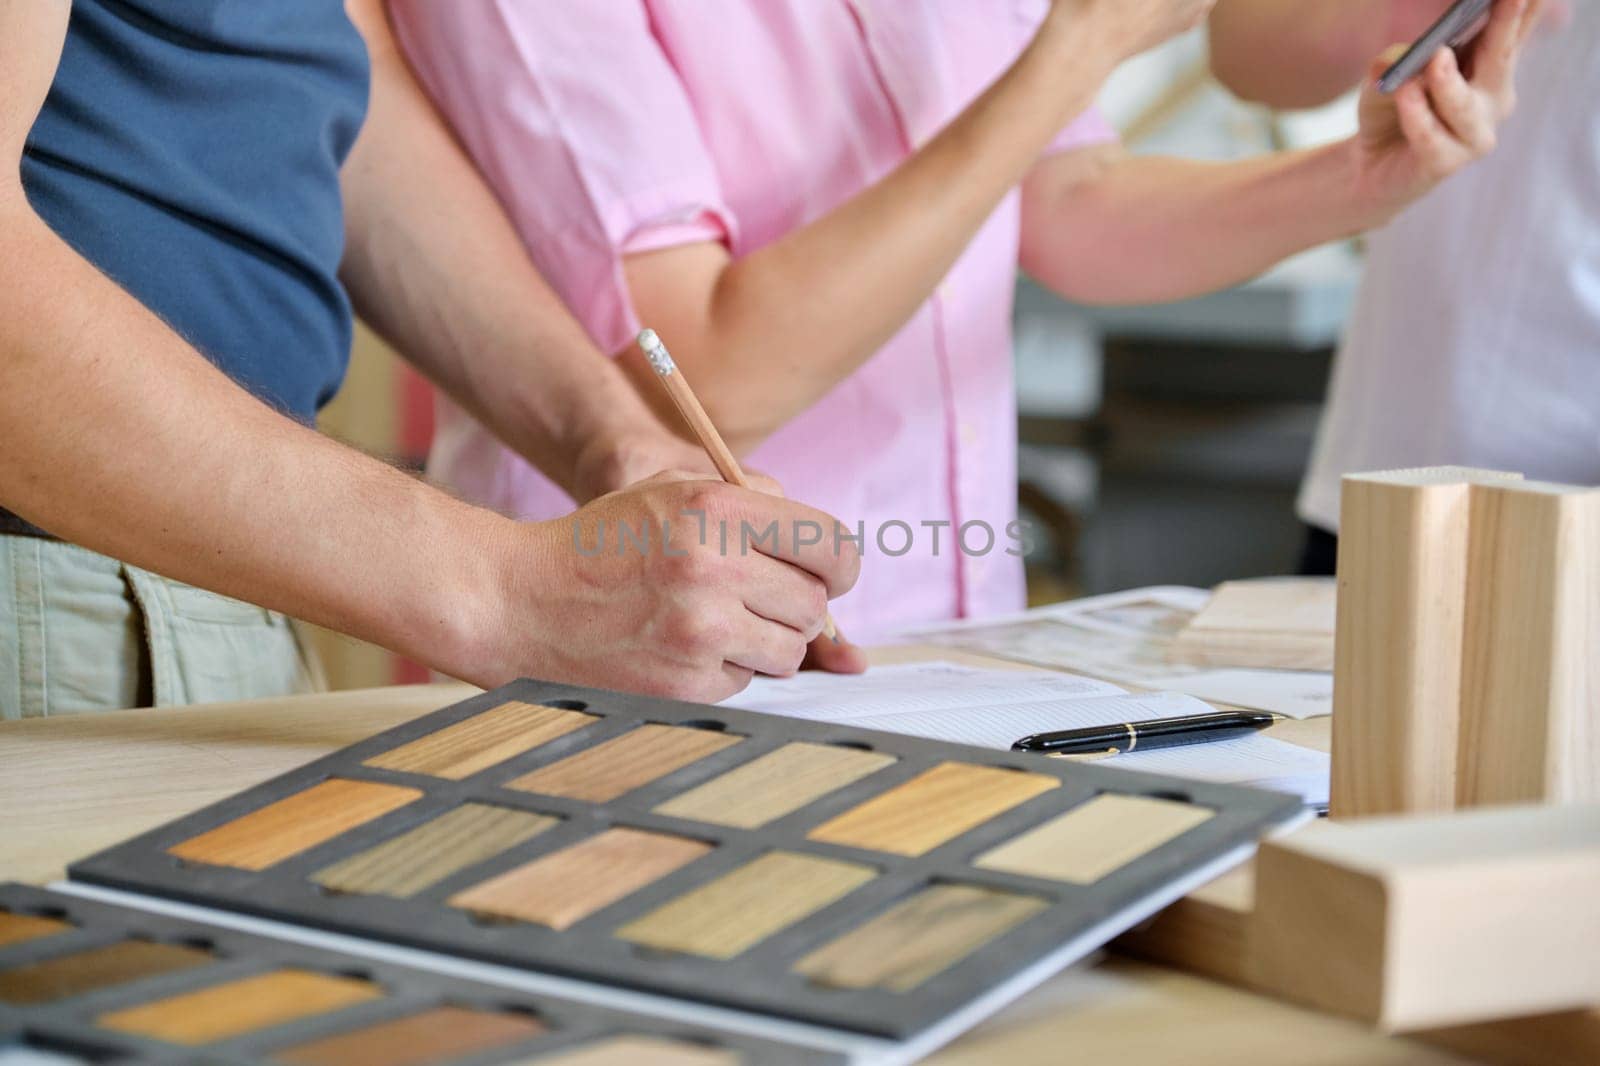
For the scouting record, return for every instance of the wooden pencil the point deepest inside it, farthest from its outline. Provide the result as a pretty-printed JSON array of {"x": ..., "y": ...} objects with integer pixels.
[{"x": 705, "y": 432}]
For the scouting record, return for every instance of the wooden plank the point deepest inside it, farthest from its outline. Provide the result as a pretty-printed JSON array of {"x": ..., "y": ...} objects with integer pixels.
[
  {"x": 235, "y": 1008},
  {"x": 279, "y": 830},
  {"x": 484, "y": 740},
  {"x": 740, "y": 909},
  {"x": 1423, "y": 922},
  {"x": 620, "y": 765},
  {"x": 636, "y": 1050},
  {"x": 919, "y": 937},
  {"x": 778, "y": 783},
  {"x": 1270, "y": 624},
  {"x": 88, "y": 971},
  {"x": 1095, "y": 839},
  {"x": 566, "y": 886},
  {"x": 1401, "y": 614},
  {"x": 1531, "y": 695},
  {"x": 936, "y": 806},
  {"x": 20, "y": 928},
  {"x": 443, "y": 1034},
  {"x": 422, "y": 857}
]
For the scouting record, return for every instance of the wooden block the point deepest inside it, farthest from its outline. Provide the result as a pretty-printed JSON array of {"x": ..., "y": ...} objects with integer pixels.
[
  {"x": 297, "y": 823},
  {"x": 477, "y": 743},
  {"x": 622, "y": 764},
  {"x": 443, "y": 1034},
  {"x": 566, "y": 886},
  {"x": 936, "y": 806},
  {"x": 1271, "y": 624},
  {"x": 740, "y": 909},
  {"x": 419, "y": 859},
  {"x": 919, "y": 938},
  {"x": 94, "y": 969},
  {"x": 1531, "y": 690},
  {"x": 774, "y": 785},
  {"x": 235, "y": 1008},
  {"x": 1403, "y": 542},
  {"x": 1094, "y": 839},
  {"x": 1418, "y": 923}
]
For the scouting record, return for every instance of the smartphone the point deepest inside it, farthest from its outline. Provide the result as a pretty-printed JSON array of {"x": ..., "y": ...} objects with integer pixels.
[{"x": 1464, "y": 21}]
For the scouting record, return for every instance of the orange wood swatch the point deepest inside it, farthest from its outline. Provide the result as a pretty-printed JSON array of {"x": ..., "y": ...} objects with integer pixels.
[
  {"x": 624, "y": 763},
  {"x": 234, "y": 1008},
  {"x": 16, "y": 928},
  {"x": 919, "y": 938},
  {"x": 477, "y": 743},
  {"x": 935, "y": 806},
  {"x": 279, "y": 830},
  {"x": 1094, "y": 839},
  {"x": 424, "y": 856},
  {"x": 96, "y": 968},
  {"x": 442, "y": 1034},
  {"x": 741, "y": 908},
  {"x": 774, "y": 785},
  {"x": 637, "y": 1051},
  {"x": 566, "y": 886}
]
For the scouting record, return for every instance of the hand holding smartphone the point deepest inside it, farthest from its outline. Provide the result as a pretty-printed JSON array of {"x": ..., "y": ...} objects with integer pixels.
[{"x": 1457, "y": 27}]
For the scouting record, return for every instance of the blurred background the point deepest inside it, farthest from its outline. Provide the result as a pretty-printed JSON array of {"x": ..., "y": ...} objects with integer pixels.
[{"x": 1135, "y": 420}]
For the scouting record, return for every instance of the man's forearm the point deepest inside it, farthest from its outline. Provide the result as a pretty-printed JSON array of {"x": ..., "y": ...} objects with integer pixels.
[
  {"x": 1151, "y": 229},
  {"x": 436, "y": 267},
  {"x": 121, "y": 438},
  {"x": 1304, "y": 53}
]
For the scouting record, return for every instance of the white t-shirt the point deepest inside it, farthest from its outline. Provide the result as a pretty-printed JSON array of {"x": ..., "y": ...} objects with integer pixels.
[{"x": 1476, "y": 337}]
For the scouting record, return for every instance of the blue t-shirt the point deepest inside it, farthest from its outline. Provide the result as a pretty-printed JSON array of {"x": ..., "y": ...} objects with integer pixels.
[{"x": 191, "y": 149}]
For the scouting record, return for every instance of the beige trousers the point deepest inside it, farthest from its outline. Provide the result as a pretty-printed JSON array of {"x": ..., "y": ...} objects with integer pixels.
[{"x": 80, "y": 632}]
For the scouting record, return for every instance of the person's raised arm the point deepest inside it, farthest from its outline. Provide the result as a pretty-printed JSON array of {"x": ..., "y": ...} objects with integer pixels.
[
  {"x": 1304, "y": 53},
  {"x": 120, "y": 437},
  {"x": 765, "y": 336}
]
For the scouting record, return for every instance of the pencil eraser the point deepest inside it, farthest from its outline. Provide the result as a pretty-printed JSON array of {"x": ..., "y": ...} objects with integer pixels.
[{"x": 656, "y": 352}]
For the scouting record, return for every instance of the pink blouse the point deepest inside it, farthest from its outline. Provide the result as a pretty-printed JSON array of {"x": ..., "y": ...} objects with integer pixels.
[{"x": 610, "y": 127}]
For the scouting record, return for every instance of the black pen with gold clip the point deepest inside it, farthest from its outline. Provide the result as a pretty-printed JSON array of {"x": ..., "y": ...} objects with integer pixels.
[{"x": 1154, "y": 734}]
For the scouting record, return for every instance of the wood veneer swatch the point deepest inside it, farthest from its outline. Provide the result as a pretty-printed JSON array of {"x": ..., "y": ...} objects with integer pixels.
[
  {"x": 279, "y": 830},
  {"x": 96, "y": 968},
  {"x": 919, "y": 937},
  {"x": 422, "y": 857},
  {"x": 722, "y": 918},
  {"x": 17, "y": 928},
  {"x": 624, "y": 763},
  {"x": 636, "y": 1050},
  {"x": 234, "y": 1008},
  {"x": 442, "y": 1034},
  {"x": 935, "y": 806},
  {"x": 566, "y": 886},
  {"x": 1094, "y": 839},
  {"x": 477, "y": 743},
  {"x": 772, "y": 786}
]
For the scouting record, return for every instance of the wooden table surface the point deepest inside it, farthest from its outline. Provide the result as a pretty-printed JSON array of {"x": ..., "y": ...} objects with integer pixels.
[{"x": 71, "y": 786}]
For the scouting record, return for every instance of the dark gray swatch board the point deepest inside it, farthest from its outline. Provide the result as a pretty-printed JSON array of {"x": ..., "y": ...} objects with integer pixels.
[
  {"x": 855, "y": 880},
  {"x": 86, "y": 981}
]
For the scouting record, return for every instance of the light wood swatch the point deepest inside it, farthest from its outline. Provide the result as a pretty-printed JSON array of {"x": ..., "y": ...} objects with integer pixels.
[
  {"x": 477, "y": 743},
  {"x": 1403, "y": 539},
  {"x": 935, "y": 806},
  {"x": 17, "y": 928},
  {"x": 567, "y": 886},
  {"x": 433, "y": 851},
  {"x": 636, "y": 1051},
  {"x": 279, "y": 830},
  {"x": 443, "y": 1034},
  {"x": 624, "y": 763},
  {"x": 223, "y": 1011},
  {"x": 1530, "y": 701},
  {"x": 1094, "y": 839},
  {"x": 724, "y": 917},
  {"x": 1268, "y": 624},
  {"x": 919, "y": 938},
  {"x": 774, "y": 785},
  {"x": 96, "y": 968}
]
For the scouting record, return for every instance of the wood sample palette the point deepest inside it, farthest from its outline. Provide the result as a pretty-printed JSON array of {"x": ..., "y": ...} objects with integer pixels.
[
  {"x": 114, "y": 984},
  {"x": 864, "y": 883}
]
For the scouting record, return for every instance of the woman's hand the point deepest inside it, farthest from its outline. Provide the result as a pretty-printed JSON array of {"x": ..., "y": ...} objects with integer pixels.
[{"x": 1444, "y": 119}]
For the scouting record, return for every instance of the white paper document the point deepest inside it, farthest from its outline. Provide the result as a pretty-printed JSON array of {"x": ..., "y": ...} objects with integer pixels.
[{"x": 995, "y": 708}]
